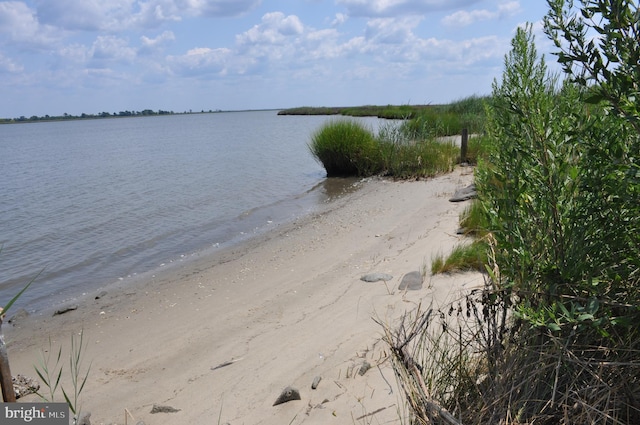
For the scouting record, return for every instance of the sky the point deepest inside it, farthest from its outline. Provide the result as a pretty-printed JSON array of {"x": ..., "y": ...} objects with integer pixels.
[{"x": 93, "y": 56}]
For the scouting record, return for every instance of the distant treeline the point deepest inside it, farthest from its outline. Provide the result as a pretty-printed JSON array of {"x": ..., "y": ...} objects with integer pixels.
[
  {"x": 388, "y": 111},
  {"x": 121, "y": 114}
]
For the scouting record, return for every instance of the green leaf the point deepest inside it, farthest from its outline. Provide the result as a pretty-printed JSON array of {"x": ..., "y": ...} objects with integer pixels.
[
  {"x": 553, "y": 326},
  {"x": 14, "y": 299}
]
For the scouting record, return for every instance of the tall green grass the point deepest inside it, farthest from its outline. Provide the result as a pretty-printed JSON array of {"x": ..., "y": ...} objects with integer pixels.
[
  {"x": 347, "y": 148},
  {"x": 449, "y": 120}
]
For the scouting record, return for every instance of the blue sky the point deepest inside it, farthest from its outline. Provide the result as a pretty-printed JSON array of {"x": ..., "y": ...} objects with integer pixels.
[{"x": 75, "y": 56}]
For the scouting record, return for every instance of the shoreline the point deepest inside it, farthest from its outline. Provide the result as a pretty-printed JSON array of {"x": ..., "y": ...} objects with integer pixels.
[{"x": 276, "y": 310}]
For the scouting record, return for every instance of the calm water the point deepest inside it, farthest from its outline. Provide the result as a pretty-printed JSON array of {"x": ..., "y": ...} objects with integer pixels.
[{"x": 94, "y": 202}]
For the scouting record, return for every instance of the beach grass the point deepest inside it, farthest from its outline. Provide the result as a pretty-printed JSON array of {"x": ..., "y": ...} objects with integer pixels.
[
  {"x": 464, "y": 257},
  {"x": 346, "y": 148}
]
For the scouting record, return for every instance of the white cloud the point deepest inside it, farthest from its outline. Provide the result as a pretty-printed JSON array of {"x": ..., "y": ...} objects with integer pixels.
[
  {"x": 151, "y": 45},
  {"x": 463, "y": 18},
  {"x": 380, "y": 8},
  {"x": 340, "y": 19},
  {"x": 274, "y": 29},
  {"x": 222, "y": 7},
  {"x": 118, "y": 15},
  {"x": 391, "y": 30},
  {"x": 200, "y": 61},
  {"x": 20, "y": 24},
  {"x": 108, "y": 50}
]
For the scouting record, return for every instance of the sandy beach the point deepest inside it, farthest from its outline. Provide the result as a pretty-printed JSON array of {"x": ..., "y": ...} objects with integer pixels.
[{"x": 278, "y": 310}]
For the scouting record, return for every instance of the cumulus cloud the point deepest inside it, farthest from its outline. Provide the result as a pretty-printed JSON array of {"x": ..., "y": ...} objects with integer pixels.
[
  {"x": 465, "y": 18},
  {"x": 117, "y": 15},
  {"x": 20, "y": 24},
  {"x": 222, "y": 7},
  {"x": 340, "y": 19},
  {"x": 274, "y": 29},
  {"x": 381, "y": 8},
  {"x": 109, "y": 49},
  {"x": 391, "y": 30},
  {"x": 201, "y": 61},
  {"x": 151, "y": 45}
]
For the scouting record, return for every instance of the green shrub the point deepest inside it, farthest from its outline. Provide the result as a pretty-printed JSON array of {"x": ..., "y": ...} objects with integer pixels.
[
  {"x": 553, "y": 336},
  {"x": 346, "y": 148}
]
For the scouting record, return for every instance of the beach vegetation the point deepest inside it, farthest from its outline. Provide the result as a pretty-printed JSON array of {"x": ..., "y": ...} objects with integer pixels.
[
  {"x": 346, "y": 148},
  {"x": 464, "y": 257},
  {"x": 50, "y": 371},
  {"x": 552, "y": 336},
  {"x": 450, "y": 119}
]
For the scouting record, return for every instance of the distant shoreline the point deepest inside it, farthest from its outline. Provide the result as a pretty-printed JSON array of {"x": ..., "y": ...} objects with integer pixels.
[
  {"x": 380, "y": 111},
  {"x": 121, "y": 114}
]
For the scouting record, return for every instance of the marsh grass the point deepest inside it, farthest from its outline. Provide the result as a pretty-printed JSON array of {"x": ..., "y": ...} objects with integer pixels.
[
  {"x": 449, "y": 120},
  {"x": 464, "y": 257},
  {"x": 473, "y": 219},
  {"x": 418, "y": 160},
  {"x": 346, "y": 148}
]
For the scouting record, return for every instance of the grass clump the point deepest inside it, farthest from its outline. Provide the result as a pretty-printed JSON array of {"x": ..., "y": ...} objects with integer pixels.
[
  {"x": 464, "y": 257},
  {"x": 346, "y": 148}
]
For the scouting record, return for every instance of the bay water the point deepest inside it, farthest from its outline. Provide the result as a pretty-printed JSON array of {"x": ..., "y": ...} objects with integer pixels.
[{"x": 86, "y": 203}]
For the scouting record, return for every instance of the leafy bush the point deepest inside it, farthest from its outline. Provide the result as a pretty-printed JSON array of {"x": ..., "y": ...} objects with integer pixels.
[{"x": 553, "y": 337}]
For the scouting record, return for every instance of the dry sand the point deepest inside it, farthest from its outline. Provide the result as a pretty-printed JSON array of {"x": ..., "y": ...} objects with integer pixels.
[{"x": 282, "y": 309}]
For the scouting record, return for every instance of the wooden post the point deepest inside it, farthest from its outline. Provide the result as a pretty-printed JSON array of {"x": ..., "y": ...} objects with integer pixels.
[
  {"x": 464, "y": 145},
  {"x": 6, "y": 380}
]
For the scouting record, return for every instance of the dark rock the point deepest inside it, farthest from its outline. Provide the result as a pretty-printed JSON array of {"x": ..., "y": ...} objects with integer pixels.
[
  {"x": 101, "y": 294},
  {"x": 316, "y": 381},
  {"x": 464, "y": 194},
  {"x": 411, "y": 281},
  {"x": 163, "y": 409},
  {"x": 288, "y": 394},
  {"x": 65, "y": 309},
  {"x": 374, "y": 277},
  {"x": 364, "y": 368}
]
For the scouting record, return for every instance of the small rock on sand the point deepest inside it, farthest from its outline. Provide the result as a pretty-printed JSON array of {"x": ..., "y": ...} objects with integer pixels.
[
  {"x": 288, "y": 394},
  {"x": 364, "y": 368},
  {"x": 163, "y": 409},
  {"x": 316, "y": 382},
  {"x": 464, "y": 194},
  {"x": 411, "y": 281},
  {"x": 374, "y": 277}
]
